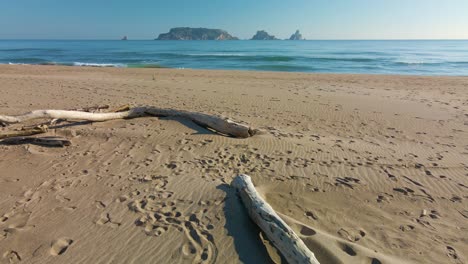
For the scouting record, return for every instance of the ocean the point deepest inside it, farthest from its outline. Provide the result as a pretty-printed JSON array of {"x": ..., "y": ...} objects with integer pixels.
[{"x": 415, "y": 57}]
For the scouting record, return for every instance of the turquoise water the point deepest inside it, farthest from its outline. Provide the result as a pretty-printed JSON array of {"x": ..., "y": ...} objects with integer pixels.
[{"x": 437, "y": 57}]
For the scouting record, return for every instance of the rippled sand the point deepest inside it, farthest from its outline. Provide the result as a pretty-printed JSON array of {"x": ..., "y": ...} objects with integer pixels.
[{"x": 367, "y": 169}]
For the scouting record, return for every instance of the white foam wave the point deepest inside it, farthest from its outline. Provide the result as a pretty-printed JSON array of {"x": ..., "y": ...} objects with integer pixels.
[
  {"x": 410, "y": 62},
  {"x": 86, "y": 64},
  {"x": 219, "y": 54}
]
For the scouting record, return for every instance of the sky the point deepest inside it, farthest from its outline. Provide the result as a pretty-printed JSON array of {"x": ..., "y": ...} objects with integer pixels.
[{"x": 316, "y": 19}]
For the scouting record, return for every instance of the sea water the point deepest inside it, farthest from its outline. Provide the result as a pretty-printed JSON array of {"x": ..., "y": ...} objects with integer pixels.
[{"x": 416, "y": 57}]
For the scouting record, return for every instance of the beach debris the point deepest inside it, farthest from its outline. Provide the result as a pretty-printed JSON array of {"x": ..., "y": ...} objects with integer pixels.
[
  {"x": 41, "y": 141},
  {"x": 423, "y": 213},
  {"x": 67, "y": 114},
  {"x": 25, "y": 132},
  {"x": 281, "y": 235},
  {"x": 218, "y": 124}
]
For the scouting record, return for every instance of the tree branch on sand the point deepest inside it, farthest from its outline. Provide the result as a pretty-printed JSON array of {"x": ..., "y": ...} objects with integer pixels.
[
  {"x": 280, "y": 234},
  {"x": 25, "y": 132},
  {"x": 218, "y": 124},
  {"x": 42, "y": 141}
]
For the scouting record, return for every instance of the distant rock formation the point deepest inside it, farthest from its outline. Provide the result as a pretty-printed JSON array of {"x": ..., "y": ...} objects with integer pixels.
[
  {"x": 186, "y": 33},
  {"x": 263, "y": 35},
  {"x": 296, "y": 36},
  {"x": 124, "y": 38}
]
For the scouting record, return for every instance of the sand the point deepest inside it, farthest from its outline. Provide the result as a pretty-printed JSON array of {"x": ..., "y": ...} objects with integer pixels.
[{"x": 366, "y": 169}]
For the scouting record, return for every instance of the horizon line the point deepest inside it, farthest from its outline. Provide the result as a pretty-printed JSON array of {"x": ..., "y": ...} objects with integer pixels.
[{"x": 318, "y": 39}]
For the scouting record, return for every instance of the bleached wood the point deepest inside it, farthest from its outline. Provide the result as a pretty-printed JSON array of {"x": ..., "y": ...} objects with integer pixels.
[
  {"x": 219, "y": 124},
  {"x": 280, "y": 234},
  {"x": 74, "y": 115}
]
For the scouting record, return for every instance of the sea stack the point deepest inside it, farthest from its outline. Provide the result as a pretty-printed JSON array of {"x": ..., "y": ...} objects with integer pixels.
[
  {"x": 296, "y": 36},
  {"x": 263, "y": 35},
  {"x": 187, "y": 33}
]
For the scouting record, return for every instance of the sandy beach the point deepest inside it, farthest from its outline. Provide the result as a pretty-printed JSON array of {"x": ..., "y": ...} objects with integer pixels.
[{"x": 365, "y": 168}]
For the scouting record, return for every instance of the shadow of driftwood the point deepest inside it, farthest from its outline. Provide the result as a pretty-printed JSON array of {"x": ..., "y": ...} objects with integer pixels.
[
  {"x": 244, "y": 232},
  {"x": 72, "y": 124},
  {"x": 200, "y": 130}
]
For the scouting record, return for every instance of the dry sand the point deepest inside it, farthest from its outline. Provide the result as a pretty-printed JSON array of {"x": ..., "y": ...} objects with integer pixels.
[{"x": 367, "y": 169}]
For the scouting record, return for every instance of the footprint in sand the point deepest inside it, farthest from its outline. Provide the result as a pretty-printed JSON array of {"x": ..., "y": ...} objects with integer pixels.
[
  {"x": 347, "y": 181},
  {"x": 311, "y": 215},
  {"x": 105, "y": 219},
  {"x": 434, "y": 214},
  {"x": 17, "y": 222},
  {"x": 456, "y": 199},
  {"x": 405, "y": 228},
  {"x": 60, "y": 246},
  {"x": 384, "y": 197},
  {"x": 158, "y": 213},
  {"x": 453, "y": 255},
  {"x": 352, "y": 235},
  {"x": 12, "y": 256},
  {"x": 403, "y": 190}
]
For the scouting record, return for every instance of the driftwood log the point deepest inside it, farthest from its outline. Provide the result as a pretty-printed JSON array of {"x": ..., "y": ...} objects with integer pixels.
[
  {"x": 221, "y": 125},
  {"x": 26, "y": 132},
  {"x": 280, "y": 234},
  {"x": 41, "y": 141}
]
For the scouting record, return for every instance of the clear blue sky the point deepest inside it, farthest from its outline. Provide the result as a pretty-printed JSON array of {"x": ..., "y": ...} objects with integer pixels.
[{"x": 317, "y": 19}]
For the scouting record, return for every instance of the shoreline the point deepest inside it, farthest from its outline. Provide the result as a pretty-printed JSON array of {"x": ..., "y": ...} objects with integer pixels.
[
  {"x": 363, "y": 167},
  {"x": 237, "y": 71}
]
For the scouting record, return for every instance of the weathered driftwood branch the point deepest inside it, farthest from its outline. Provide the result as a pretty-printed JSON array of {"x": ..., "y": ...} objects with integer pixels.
[
  {"x": 91, "y": 109},
  {"x": 26, "y": 132},
  {"x": 216, "y": 123},
  {"x": 65, "y": 114},
  {"x": 42, "y": 141},
  {"x": 281, "y": 235},
  {"x": 219, "y": 124}
]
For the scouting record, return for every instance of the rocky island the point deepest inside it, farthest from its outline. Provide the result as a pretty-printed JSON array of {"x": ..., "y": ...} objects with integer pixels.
[
  {"x": 187, "y": 33},
  {"x": 296, "y": 36},
  {"x": 263, "y": 35}
]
